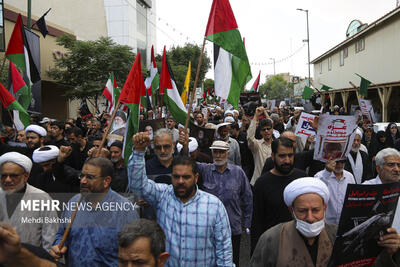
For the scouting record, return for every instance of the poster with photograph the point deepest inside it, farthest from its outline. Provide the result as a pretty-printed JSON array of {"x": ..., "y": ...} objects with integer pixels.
[
  {"x": 282, "y": 104},
  {"x": 334, "y": 137},
  {"x": 304, "y": 125},
  {"x": 271, "y": 104},
  {"x": 368, "y": 210},
  {"x": 204, "y": 136},
  {"x": 151, "y": 126},
  {"x": 367, "y": 111}
]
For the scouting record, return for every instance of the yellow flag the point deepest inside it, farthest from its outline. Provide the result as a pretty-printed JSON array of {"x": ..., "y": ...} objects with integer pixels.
[{"x": 185, "y": 92}]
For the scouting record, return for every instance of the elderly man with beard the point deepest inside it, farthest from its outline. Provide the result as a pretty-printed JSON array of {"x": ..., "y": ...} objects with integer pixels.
[
  {"x": 269, "y": 207},
  {"x": 229, "y": 183},
  {"x": 223, "y": 130},
  {"x": 15, "y": 169},
  {"x": 358, "y": 162},
  {"x": 337, "y": 179},
  {"x": 195, "y": 223},
  {"x": 92, "y": 240},
  {"x": 308, "y": 240},
  {"x": 388, "y": 168}
]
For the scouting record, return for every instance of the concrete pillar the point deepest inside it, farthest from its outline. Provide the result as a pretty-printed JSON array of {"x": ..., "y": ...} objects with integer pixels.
[
  {"x": 332, "y": 97},
  {"x": 384, "y": 95},
  {"x": 345, "y": 97}
]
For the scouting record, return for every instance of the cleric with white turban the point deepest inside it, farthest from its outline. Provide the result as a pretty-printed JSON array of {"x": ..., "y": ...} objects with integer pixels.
[
  {"x": 36, "y": 129},
  {"x": 304, "y": 186},
  {"x": 45, "y": 153},
  {"x": 18, "y": 159},
  {"x": 193, "y": 145}
]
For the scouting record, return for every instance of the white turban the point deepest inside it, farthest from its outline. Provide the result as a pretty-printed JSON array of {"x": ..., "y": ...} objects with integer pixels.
[
  {"x": 18, "y": 159},
  {"x": 193, "y": 145},
  {"x": 303, "y": 186},
  {"x": 235, "y": 111},
  {"x": 36, "y": 129},
  {"x": 45, "y": 153},
  {"x": 228, "y": 112},
  {"x": 229, "y": 119},
  {"x": 358, "y": 131}
]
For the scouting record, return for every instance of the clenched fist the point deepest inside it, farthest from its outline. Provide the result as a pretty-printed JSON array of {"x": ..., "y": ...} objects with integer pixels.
[{"x": 141, "y": 141}]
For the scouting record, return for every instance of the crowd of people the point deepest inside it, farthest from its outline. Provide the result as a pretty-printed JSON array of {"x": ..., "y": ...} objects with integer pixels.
[{"x": 183, "y": 199}]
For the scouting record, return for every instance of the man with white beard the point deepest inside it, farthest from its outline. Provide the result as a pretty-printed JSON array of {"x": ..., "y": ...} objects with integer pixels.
[
  {"x": 358, "y": 162},
  {"x": 229, "y": 183}
]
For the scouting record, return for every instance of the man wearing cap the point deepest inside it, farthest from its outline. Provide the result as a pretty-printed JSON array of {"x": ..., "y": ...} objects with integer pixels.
[
  {"x": 308, "y": 240},
  {"x": 337, "y": 179},
  {"x": 229, "y": 183},
  {"x": 223, "y": 130},
  {"x": 29, "y": 222},
  {"x": 358, "y": 162},
  {"x": 261, "y": 148}
]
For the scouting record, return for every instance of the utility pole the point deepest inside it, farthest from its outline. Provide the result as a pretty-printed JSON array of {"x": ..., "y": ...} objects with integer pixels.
[
  {"x": 273, "y": 59},
  {"x": 308, "y": 44},
  {"x": 29, "y": 14}
]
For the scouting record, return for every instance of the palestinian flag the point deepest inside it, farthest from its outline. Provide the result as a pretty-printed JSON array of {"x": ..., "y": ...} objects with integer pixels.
[
  {"x": 172, "y": 99},
  {"x": 111, "y": 92},
  {"x": 19, "y": 53},
  {"x": 18, "y": 87},
  {"x": 154, "y": 79},
  {"x": 9, "y": 102},
  {"x": 185, "y": 92},
  {"x": 231, "y": 65},
  {"x": 130, "y": 96},
  {"x": 256, "y": 83}
]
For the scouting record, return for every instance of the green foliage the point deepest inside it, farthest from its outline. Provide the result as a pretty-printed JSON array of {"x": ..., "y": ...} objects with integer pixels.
[
  {"x": 85, "y": 68},
  {"x": 209, "y": 83},
  {"x": 276, "y": 88},
  {"x": 4, "y": 72},
  {"x": 179, "y": 57}
]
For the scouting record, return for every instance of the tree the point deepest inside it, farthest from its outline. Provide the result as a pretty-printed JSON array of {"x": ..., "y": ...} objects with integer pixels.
[
  {"x": 179, "y": 57},
  {"x": 275, "y": 88},
  {"x": 85, "y": 67}
]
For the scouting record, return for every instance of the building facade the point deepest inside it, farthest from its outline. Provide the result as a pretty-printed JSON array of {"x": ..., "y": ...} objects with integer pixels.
[{"x": 372, "y": 52}]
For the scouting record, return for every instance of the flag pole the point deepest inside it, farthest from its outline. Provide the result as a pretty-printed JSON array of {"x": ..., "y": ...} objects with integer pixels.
[
  {"x": 66, "y": 232},
  {"x": 9, "y": 113},
  {"x": 108, "y": 127},
  {"x": 193, "y": 93}
]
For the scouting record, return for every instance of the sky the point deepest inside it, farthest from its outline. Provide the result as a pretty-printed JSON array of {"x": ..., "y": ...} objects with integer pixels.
[{"x": 272, "y": 29}]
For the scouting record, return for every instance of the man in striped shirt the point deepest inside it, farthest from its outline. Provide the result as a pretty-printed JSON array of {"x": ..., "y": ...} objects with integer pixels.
[{"x": 196, "y": 223}]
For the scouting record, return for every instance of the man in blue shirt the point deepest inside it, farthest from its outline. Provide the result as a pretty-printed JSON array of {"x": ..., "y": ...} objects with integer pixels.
[
  {"x": 195, "y": 223},
  {"x": 229, "y": 183},
  {"x": 101, "y": 215}
]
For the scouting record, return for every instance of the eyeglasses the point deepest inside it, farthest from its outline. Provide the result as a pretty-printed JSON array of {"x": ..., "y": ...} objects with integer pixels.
[
  {"x": 88, "y": 176},
  {"x": 159, "y": 147},
  {"x": 13, "y": 176},
  {"x": 266, "y": 129}
]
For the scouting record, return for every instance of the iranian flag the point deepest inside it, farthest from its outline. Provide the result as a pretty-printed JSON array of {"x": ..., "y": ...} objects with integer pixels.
[
  {"x": 231, "y": 65},
  {"x": 172, "y": 98},
  {"x": 256, "y": 83},
  {"x": 153, "y": 80},
  {"x": 9, "y": 102},
  {"x": 18, "y": 87},
  {"x": 111, "y": 92},
  {"x": 130, "y": 96},
  {"x": 19, "y": 53}
]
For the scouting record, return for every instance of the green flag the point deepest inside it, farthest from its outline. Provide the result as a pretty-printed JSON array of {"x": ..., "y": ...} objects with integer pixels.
[
  {"x": 325, "y": 87},
  {"x": 307, "y": 92},
  {"x": 364, "y": 84}
]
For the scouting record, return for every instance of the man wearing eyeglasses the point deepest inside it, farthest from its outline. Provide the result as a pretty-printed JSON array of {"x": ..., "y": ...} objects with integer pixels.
[
  {"x": 261, "y": 148},
  {"x": 15, "y": 190},
  {"x": 102, "y": 213},
  {"x": 388, "y": 168}
]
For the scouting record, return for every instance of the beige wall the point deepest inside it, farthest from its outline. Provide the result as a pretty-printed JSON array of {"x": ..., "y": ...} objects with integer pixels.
[
  {"x": 378, "y": 62},
  {"x": 85, "y": 19}
]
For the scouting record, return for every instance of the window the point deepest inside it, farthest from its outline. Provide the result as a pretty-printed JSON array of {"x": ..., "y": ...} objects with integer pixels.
[
  {"x": 341, "y": 61},
  {"x": 360, "y": 45},
  {"x": 329, "y": 63},
  {"x": 2, "y": 37},
  {"x": 320, "y": 67},
  {"x": 345, "y": 52}
]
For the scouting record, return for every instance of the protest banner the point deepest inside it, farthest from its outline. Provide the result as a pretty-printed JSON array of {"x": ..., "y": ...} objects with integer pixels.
[
  {"x": 271, "y": 104},
  {"x": 335, "y": 137},
  {"x": 204, "y": 137},
  {"x": 304, "y": 125},
  {"x": 151, "y": 126},
  {"x": 368, "y": 210},
  {"x": 367, "y": 111}
]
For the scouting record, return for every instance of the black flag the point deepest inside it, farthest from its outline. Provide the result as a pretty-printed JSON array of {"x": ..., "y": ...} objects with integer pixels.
[{"x": 41, "y": 24}]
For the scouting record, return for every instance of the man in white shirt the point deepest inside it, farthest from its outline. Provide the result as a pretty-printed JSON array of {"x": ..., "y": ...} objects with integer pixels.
[
  {"x": 388, "y": 168},
  {"x": 337, "y": 179}
]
